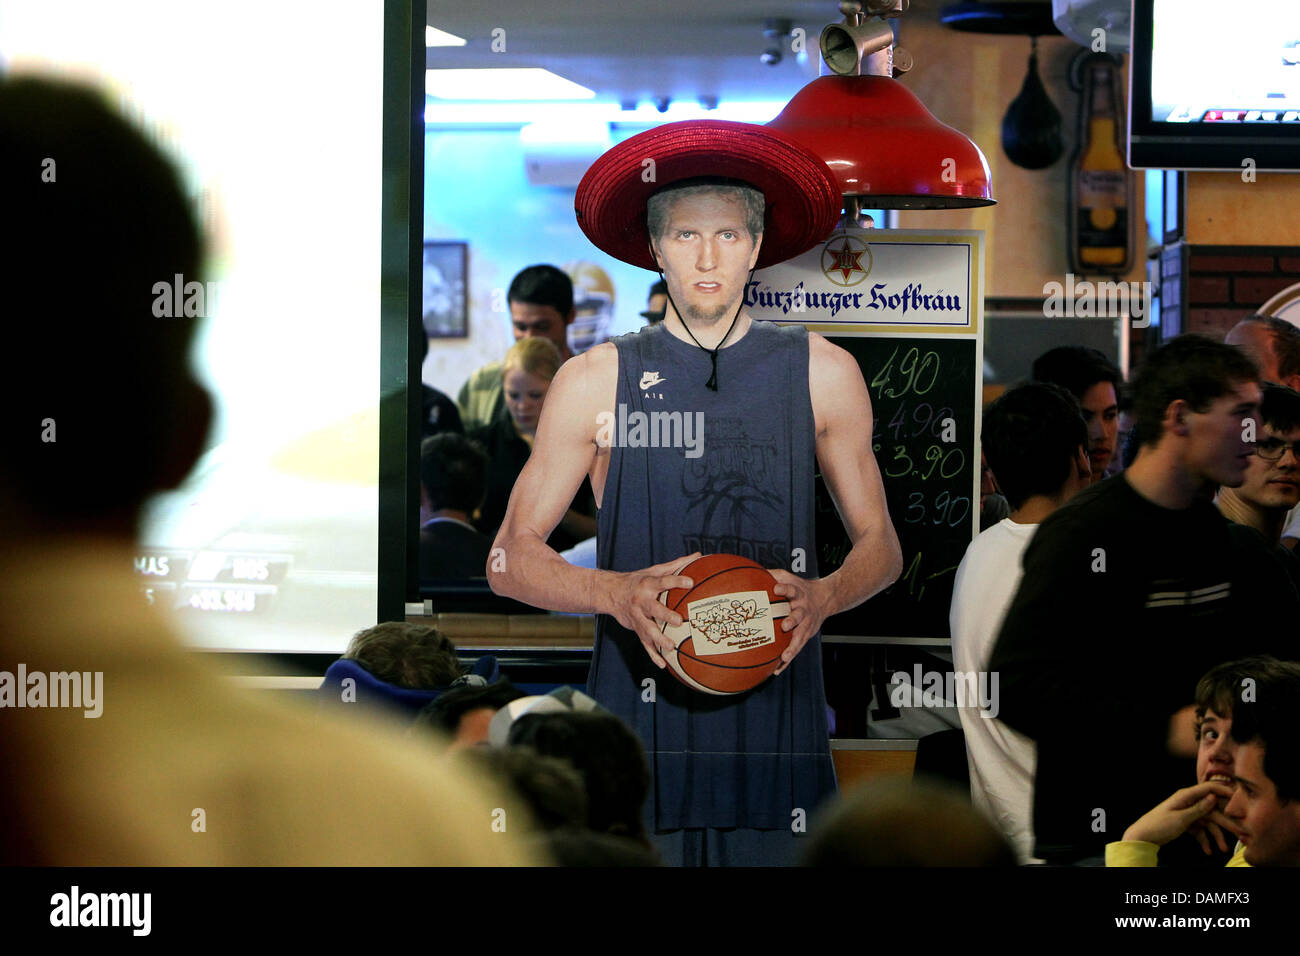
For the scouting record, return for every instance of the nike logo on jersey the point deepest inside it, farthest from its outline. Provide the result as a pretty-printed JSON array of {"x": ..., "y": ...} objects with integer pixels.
[{"x": 650, "y": 378}]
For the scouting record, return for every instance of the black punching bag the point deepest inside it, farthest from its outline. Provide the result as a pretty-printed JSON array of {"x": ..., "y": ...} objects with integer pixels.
[{"x": 1031, "y": 130}]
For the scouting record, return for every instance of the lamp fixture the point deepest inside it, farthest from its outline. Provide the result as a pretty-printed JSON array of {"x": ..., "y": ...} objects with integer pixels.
[{"x": 885, "y": 148}]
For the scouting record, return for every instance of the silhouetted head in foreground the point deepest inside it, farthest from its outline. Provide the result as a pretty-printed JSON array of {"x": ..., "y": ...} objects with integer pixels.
[
  {"x": 886, "y": 823},
  {"x": 103, "y": 410}
]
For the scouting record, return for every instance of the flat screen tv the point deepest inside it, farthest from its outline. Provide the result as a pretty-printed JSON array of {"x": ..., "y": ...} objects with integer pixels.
[{"x": 1214, "y": 85}]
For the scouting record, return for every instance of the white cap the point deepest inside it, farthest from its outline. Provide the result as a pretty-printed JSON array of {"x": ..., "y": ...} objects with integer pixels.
[{"x": 562, "y": 700}]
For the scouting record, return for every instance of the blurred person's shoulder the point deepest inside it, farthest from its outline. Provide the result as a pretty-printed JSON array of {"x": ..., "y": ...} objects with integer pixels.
[
  {"x": 389, "y": 799},
  {"x": 183, "y": 767}
]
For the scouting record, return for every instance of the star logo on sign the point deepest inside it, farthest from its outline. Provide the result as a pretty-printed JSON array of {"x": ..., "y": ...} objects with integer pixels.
[{"x": 842, "y": 260}]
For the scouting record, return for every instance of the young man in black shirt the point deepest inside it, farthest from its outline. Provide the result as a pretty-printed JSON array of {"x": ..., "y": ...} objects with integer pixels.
[{"x": 1188, "y": 589}]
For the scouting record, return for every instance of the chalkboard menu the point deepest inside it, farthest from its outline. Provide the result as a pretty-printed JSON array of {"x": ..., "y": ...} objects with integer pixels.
[{"x": 922, "y": 392}]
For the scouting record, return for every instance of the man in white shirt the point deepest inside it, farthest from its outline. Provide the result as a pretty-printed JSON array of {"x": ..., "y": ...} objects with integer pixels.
[{"x": 1035, "y": 442}]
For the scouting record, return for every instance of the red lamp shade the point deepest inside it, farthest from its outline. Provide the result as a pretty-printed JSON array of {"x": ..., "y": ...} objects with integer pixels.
[{"x": 883, "y": 144}]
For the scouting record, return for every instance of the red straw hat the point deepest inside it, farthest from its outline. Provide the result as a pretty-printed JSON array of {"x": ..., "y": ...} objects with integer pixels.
[{"x": 803, "y": 200}]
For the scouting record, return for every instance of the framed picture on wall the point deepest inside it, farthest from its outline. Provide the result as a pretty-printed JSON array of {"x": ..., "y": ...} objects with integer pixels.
[{"x": 446, "y": 305}]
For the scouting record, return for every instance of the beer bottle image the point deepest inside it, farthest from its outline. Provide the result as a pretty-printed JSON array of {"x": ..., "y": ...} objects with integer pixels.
[{"x": 1101, "y": 187}]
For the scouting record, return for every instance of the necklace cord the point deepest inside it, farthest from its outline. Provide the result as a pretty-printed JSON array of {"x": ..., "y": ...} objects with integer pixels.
[{"x": 712, "y": 383}]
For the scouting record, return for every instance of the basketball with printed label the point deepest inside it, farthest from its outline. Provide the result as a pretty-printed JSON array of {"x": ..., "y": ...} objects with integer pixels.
[{"x": 730, "y": 639}]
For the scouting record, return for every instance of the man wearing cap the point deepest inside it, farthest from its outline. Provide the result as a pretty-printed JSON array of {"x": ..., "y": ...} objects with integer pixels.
[{"x": 704, "y": 203}]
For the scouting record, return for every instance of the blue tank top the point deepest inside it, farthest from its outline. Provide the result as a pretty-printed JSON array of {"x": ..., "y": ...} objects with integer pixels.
[{"x": 750, "y": 760}]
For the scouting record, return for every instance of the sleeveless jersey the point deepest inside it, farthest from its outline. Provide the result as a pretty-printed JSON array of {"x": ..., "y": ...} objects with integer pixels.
[{"x": 736, "y": 477}]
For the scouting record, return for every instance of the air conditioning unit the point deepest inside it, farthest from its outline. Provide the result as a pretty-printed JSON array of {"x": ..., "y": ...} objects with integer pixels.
[
  {"x": 1078, "y": 19},
  {"x": 560, "y": 154},
  {"x": 558, "y": 164}
]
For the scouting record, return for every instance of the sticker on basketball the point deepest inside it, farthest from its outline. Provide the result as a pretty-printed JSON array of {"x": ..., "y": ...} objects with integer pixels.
[{"x": 730, "y": 639}]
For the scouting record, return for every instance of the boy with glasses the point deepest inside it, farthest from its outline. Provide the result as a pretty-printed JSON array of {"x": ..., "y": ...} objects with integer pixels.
[{"x": 1271, "y": 487}]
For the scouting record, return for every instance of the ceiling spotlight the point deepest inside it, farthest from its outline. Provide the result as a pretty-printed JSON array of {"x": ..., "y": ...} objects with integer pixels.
[
  {"x": 778, "y": 29},
  {"x": 662, "y": 103},
  {"x": 708, "y": 102}
]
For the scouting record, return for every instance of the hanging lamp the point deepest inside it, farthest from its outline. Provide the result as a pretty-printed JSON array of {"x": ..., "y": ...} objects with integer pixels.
[{"x": 886, "y": 149}]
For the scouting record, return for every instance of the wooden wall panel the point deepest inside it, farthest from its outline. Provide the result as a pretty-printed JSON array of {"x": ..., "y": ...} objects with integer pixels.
[
  {"x": 853, "y": 767},
  {"x": 1222, "y": 210}
]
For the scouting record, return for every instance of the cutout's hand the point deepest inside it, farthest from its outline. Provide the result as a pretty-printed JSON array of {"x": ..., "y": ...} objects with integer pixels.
[
  {"x": 638, "y": 608},
  {"x": 809, "y": 606}
]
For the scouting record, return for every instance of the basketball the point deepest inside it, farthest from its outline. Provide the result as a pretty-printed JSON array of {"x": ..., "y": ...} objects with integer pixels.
[{"x": 730, "y": 639}]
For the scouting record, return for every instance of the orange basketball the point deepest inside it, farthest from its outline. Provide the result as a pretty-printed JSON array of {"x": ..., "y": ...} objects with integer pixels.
[{"x": 730, "y": 639}]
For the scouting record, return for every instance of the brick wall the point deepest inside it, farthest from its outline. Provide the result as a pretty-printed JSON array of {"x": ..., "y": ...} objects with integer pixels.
[{"x": 1208, "y": 289}]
